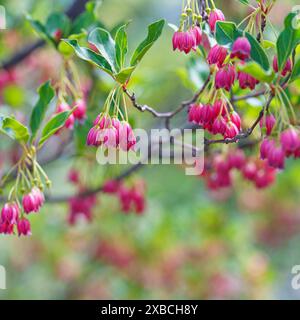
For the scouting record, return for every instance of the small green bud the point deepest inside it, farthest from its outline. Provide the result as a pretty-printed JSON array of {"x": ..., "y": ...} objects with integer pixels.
[{"x": 189, "y": 11}]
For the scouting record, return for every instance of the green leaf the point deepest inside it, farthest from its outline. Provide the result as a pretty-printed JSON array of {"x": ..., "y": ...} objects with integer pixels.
[
  {"x": 54, "y": 124},
  {"x": 226, "y": 33},
  {"x": 124, "y": 74},
  {"x": 90, "y": 56},
  {"x": 154, "y": 32},
  {"x": 246, "y": 2},
  {"x": 288, "y": 39},
  {"x": 80, "y": 134},
  {"x": 255, "y": 70},
  {"x": 14, "y": 129},
  {"x": 41, "y": 30},
  {"x": 258, "y": 54},
  {"x": 267, "y": 44},
  {"x": 121, "y": 46},
  {"x": 103, "y": 41},
  {"x": 296, "y": 72},
  {"x": 58, "y": 21},
  {"x": 46, "y": 94}
]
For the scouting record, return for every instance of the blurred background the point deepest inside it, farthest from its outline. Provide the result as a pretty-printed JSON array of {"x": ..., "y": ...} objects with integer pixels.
[{"x": 190, "y": 243}]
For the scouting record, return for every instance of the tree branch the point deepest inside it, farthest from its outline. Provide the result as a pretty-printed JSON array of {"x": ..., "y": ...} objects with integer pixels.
[
  {"x": 77, "y": 8},
  {"x": 248, "y": 132}
]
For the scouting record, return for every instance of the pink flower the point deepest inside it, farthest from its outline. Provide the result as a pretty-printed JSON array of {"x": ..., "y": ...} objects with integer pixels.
[
  {"x": 194, "y": 113},
  {"x": 290, "y": 141},
  {"x": 10, "y": 213},
  {"x": 219, "y": 126},
  {"x": 287, "y": 68},
  {"x": 108, "y": 137},
  {"x": 184, "y": 41},
  {"x": 235, "y": 118},
  {"x": 197, "y": 32},
  {"x": 23, "y": 227},
  {"x": 276, "y": 157},
  {"x": 237, "y": 159},
  {"x": 80, "y": 111},
  {"x": 217, "y": 55},
  {"x": 249, "y": 170},
  {"x": 265, "y": 176},
  {"x": 265, "y": 148},
  {"x": 246, "y": 81},
  {"x": 92, "y": 137},
  {"x": 231, "y": 131},
  {"x": 205, "y": 113},
  {"x": 81, "y": 207},
  {"x": 225, "y": 77},
  {"x": 111, "y": 186},
  {"x": 219, "y": 108},
  {"x": 127, "y": 139},
  {"x": 33, "y": 201},
  {"x": 215, "y": 15},
  {"x": 268, "y": 121},
  {"x": 6, "y": 227},
  {"x": 71, "y": 120},
  {"x": 241, "y": 49}
]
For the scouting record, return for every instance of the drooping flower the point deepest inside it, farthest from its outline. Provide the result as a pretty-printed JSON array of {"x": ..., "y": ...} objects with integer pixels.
[
  {"x": 214, "y": 16},
  {"x": 236, "y": 119},
  {"x": 194, "y": 113},
  {"x": 205, "y": 113},
  {"x": 236, "y": 159},
  {"x": 10, "y": 213},
  {"x": 290, "y": 140},
  {"x": 23, "y": 227},
  {"x": 276, "y": 157},
  {"x": 265, "y": 148},
  {"x": 71, "y": 120},
  {"x": 219, "y": 125},
  {"x": 225, "y": 77},
  {"x": 231, "y": 130},
  {"x": 241, "y": 49},
  {"x": 33, "y": 201},
  {"x": 111, "y": 186},
  {"x": 287, "y": 68},
  {"x": 184, "y": 41},
  {"x": 197, "y": 32},
  {"x": 127, "y": 139},
  {"x": 80, "y": 111},
  {"x": 246, "y": 81},
  {"x": 269, "y": 122},
  {"x": 217, "y": 55}
]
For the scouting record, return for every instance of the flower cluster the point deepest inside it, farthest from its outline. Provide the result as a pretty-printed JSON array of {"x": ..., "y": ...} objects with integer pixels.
[
  {"x": 217, "y": 119},
  {"x": 275, "y": 153},
  {"x": 33, "y": 201},
  {"x": 11, "y": 214},
  {"x": 111, "y": 133},
  {"x": 131, "y": 199},
  {"x": 26, "y": 195},
  {"x": 218, "y": 174}
]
